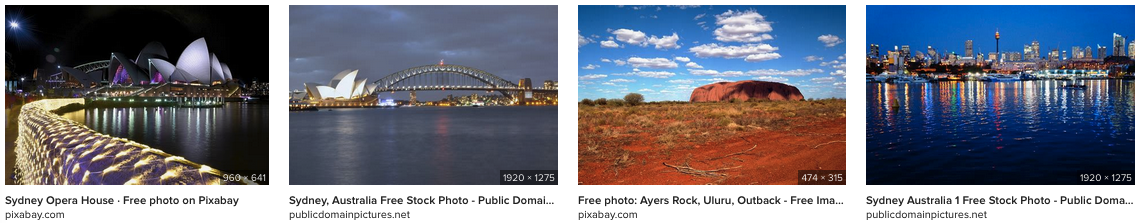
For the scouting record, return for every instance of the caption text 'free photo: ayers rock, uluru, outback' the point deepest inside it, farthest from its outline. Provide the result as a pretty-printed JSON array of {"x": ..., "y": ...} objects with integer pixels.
[{"x": 745, "y": 90}]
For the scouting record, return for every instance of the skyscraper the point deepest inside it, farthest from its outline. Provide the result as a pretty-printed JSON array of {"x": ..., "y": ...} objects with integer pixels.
[
  {"x": 1088, "y": 53},
  {"x": 1100, "y": 51},
  {"x": 996, "y": 40},
  {"x": 970, "y": 48},
  {"x": 1026, "y": 50},
  {"x": 906, "y": 52},
  {"x": 1132, "y": 51},
  {"x": 1076, "y": 52},
  {"x": 931, "y": 53},
  {"x": 874, "y": 51},
  {"x": 1034, "y": 47},
  {"x": 1118, "y": 45},
  {"x": 1054, "y": 55}
]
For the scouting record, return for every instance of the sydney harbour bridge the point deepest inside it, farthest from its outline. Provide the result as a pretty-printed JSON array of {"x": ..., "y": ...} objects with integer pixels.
[{"x": 441, "y": 77}]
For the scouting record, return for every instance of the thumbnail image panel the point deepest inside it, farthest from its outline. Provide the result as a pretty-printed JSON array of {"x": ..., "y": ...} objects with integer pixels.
[
  {"x": 961, "y": 95},
  {"x": 711, "y": 95},
  {"x": 136, "y": 95},
  {"x": 422, "y": 95}
]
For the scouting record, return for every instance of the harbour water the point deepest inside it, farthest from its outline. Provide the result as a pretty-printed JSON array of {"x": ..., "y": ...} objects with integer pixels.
[
  {"x": 420, "y": 145},
  {"x": 1022, "y": 132},
  {"x": 233, "y": 138}
]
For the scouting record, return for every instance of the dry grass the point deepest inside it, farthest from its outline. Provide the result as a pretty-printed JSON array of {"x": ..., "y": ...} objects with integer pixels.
[{"x": 605, "y": 130}]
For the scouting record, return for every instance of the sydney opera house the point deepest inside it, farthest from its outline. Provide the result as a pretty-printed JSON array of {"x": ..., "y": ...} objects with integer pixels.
[
  {"x": 196, "y": 73},
  {"x": 343, "y": 91}
]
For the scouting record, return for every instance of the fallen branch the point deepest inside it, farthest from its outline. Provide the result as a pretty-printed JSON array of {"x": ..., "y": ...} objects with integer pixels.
[
  {"x": 704, "y": 173},
  {"x": 818, "y": 146}
]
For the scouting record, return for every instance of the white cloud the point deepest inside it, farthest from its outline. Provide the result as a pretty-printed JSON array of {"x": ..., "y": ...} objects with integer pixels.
[
  {"x": 830, "y": 40},
  {"x": 693, "y": 65},
  {"x": 659, "y": 63},
  {"x": 771, "y": 78},
  {"x": 646, "y": 90},
  {"x": 837, "y": 73},
  {"x": 760, "y": 72},
  {"x": 715, "y": 80},
  {"x": 771, "y": 72},
  {"x": 838, "y": 84},
  {"x": 742, "y": 26},
  {"x": 655, "y": 74},
  {"x": 582, "y": 40},
  {"x": 822, "y": 80},
  {"x": 683, "y": 81},
  {"x": 619, "y": 62},
  {"x": 605, "y": 60},
  {"x": 591, "y": 76},
  {"x": 699, "y": 16},
  {"x": 840, "y": 58},
  {"x": 610, "y": 83},
  {"x": 682, "y": 59},
  {"x": 630, "y": 36},
  {"x": 751, "y": 52},
  {"x": 665, "y": 42},
  {"x": 609, "y": 44},
  {"x": 620, "y": 80},
  {"x": 590, "y": 67},
  {"x": 812, "y": 58}
]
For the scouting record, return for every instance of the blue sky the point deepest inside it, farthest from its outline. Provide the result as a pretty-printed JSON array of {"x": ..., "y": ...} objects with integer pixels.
[
  {"x": 946, "y": 28},
  {"x": 624, "y": 49}
]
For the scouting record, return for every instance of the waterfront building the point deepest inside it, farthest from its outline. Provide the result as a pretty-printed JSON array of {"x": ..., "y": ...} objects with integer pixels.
[
  {"x": 1088, "y": 53},
  {"x": 1132, "y": 51},
  {"x": 1118, "y": 45},
  {"x": 970, "y": 48},
  {"x": 1053, "y": 55},
  {"x": 874, "y": 51},
  {"x": 1026, "y": 52},
  {"x": 1034, "y": 49},
  {"x": 1100, "y": 51},
  {"x": 343, "y": 86},
  {"x": 905, "y": 52},
  {"x": 1076, "y": 52}
]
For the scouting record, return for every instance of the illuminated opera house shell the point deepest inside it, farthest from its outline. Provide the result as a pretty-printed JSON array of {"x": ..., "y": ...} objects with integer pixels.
[
  {"x": 152, "y": 66},
  {"x": 343, "y": 86}
]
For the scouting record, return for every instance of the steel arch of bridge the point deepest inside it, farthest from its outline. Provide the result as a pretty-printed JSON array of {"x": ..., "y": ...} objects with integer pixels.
[
  {"x": 397, "y": 81},
  {"x": 92, "y": 66}
]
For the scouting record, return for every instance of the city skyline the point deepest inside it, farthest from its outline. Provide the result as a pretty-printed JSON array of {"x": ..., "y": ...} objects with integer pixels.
[
  {"x": 947, "y": 28},
  {"x": 664, "y": 52}
]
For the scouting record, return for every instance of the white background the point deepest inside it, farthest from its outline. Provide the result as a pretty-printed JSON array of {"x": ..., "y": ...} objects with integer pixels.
[{"x": 269, "y": 203}]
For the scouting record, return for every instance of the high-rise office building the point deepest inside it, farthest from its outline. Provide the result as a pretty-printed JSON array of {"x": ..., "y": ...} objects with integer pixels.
[
  {"x": 874, "y": 51},
  {"x": 1054, "y": 55},
  {"x": 1118, "y": 45},
  {"x": 1132, "y": 51},
  {"x": 931, "y": 53},
  {"x": 1026, "y": 52},
  {"x": 1034, "y": 49},
  {"x": 970, "y": 48},
  {"x": 1100, "y": 51},
  {"x": 905, "y": 51},
  {"x": 1075, "y": 52},
  {"x": 1088, "y": 53}
]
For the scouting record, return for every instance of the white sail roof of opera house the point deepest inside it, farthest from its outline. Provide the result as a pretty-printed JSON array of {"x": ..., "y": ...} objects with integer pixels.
[
  {"x": 152, "y": 66},
  {"x": 343, "y": 85}
]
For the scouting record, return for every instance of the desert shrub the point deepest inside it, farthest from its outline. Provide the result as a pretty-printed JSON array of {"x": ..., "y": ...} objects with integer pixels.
[
  {"x": 641, "y": 121},
  {"x": 724, "y": 121},
  {"x": 587, "y": 102},
  {"x": 615, "y": 102},
  {"x": 600, "y": 101},
  {"x": 634, "y": 99}
]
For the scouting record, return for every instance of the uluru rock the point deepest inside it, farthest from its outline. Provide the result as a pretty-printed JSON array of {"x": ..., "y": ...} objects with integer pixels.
[{"x": 745, "y": 90}]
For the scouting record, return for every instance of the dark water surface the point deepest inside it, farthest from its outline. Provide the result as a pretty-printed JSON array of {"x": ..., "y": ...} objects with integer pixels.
[
  {"x": 1028, "y": 132},
  {"x": 420, "y": 145},
  {"x": 233, "y": 138}
]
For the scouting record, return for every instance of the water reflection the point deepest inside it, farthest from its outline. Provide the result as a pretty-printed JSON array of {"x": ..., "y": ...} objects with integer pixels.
[
  {"x": 233, "y": 138},
  {"x": 954, "y": 132},
  {"x": 420, "y": 145}
]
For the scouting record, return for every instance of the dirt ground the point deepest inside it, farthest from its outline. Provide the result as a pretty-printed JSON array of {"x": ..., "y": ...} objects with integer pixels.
[{"x": 710, "y": 143}]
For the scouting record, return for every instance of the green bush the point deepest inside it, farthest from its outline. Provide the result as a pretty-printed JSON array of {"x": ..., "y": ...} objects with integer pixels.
[
  {"x": 615, "y": 102},
  {"x": 600, "y": 101},
  {"x": 587, "y": 102},
  {"x": 634, "y": 99}
]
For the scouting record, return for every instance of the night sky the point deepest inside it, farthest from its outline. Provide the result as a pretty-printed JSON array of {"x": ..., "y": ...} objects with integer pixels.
[
  {"x": 238, "y": 35},
  {"x": 511, "y": 42},
  {"x": 946, "y": 28}
]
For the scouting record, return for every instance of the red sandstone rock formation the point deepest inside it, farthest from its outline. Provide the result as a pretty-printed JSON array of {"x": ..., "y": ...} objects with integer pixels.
[{"x": 745, "y": 90}]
